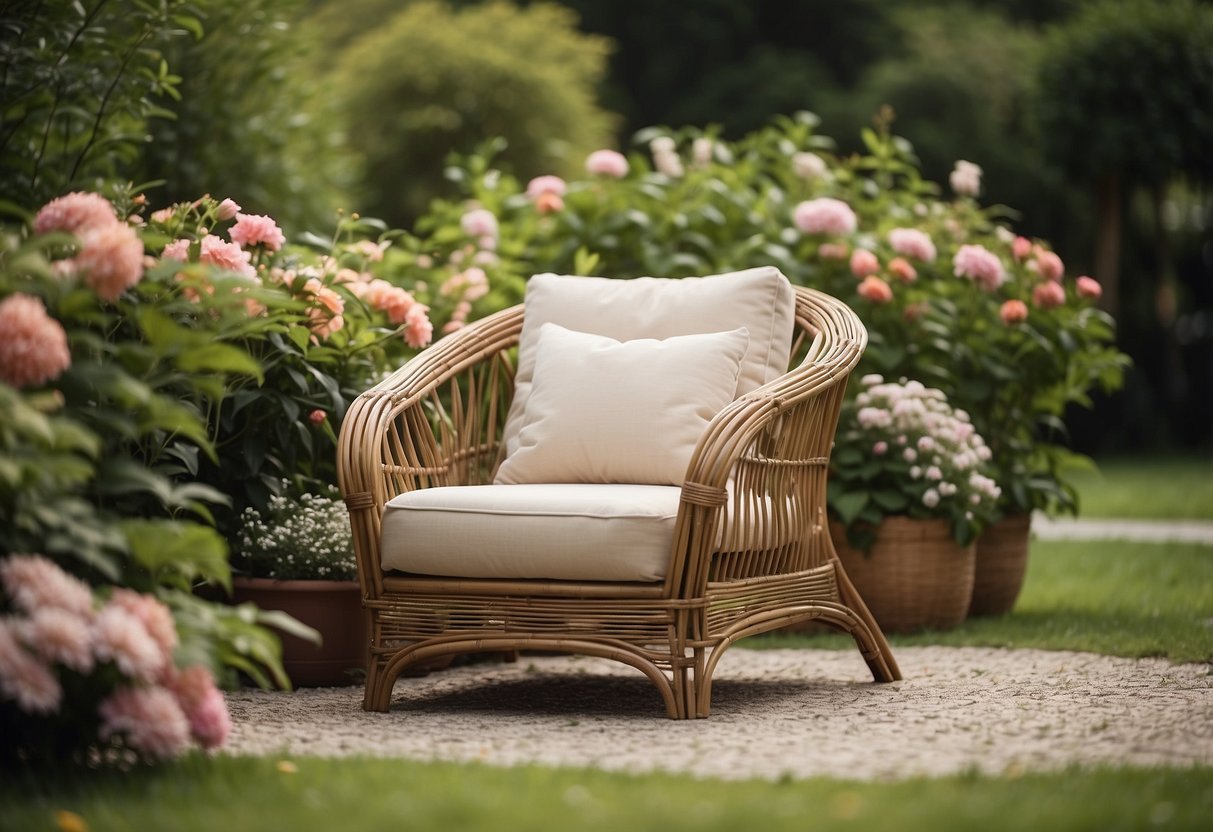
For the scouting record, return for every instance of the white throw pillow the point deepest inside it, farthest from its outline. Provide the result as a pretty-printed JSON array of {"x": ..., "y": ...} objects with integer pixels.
[
  {"x": 761, "y": 300},
  {"x": 602, "y": 410}
]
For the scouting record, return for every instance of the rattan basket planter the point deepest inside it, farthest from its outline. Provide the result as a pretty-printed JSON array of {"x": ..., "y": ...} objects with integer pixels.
[
  {"x": 1002, "y": 560},
  {"x": 332, "y": 607},
  {"x": 915, "y": 576}
]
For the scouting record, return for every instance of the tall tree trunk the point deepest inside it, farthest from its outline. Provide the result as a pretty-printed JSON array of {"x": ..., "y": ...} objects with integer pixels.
[{"x": 1108, "y": 199}]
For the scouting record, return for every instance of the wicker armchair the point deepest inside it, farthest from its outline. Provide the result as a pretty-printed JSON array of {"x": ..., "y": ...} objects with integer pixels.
[{"x": 750, "y": 552}]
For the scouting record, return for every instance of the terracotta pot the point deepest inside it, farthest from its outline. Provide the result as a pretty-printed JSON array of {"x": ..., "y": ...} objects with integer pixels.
[
  {"x": 332, "y": 607},
  {"x": 915, "y": 576},
  {"x": 1002, "y": 560}
]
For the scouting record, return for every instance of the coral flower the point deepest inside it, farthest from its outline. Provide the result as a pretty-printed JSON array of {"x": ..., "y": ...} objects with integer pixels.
[
  {"x": 1048, "y": 295},
  {"x": 33, "y": 349},
  {"x": 864, "y": 263},
  {"x": 1021, "y": 247},
  {"x": 418, "y": 330},
  {"x": 541, "y": 185},
  {"x": 1088, "y": 287},
  {"x": 874, "y": 289},
  {"x": 227, "y": 209},
  {"x": 317, "y": 417},
  {"x": 256, "y": 230},
  {"x": 825, "y": 216},
  {"x": 549, "y": 203},
  {"x": 110, "y": 259},
  {"x": 229, "y": 256},
  {"x": 900, "y": 268},
  {"x": 1049, "y": 265},
  {"x": 75, "y": 213},
  {"x": 1013, "y": 312},
  {"x": 605, "y": 162}
]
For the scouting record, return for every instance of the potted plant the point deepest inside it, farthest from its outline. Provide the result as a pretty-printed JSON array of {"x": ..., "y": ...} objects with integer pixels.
[
  {"x": 910, "y": 489},
  {"x": 297, "y": 556}
]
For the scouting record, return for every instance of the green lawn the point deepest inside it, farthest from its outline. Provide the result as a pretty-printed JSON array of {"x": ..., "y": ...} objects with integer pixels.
[
  {"x": 1153, "y": 488},
  {"x": 1123, "y": 599},
  {"x": 232, "y": 794}
]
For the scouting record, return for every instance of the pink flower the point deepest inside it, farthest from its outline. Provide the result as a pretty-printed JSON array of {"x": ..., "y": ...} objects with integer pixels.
[
  {"x": 965, "y": 178},
  {"x": 874, "y": 289},
  {"x": 152, "y": 614},
  {"x": 373, "y": 252},
  {"x": 149, "y": 718},
  {"x": 824, "y": 216},
  {"x": 163, "y": 215},
  {"x": 256, "y": 230},
  {"x": 60, "y": 636},
  {"x": 469, "y": 285},
  {"x": 1013, "y": 312},
  {"x": 177, "y": 250},
  {"x": 545, "y": 185},
  {"x": 808, "y": 165},
  {"x": 1049, "y": 265},
  {"x": 1048, "y": 295},
  {"x": 33, "y": 582},
  {"x": 393, "y": 300},
  {"x": 880, "y": 448},
  {"x": 607, "y": 163},
  {"x": 549, "y": 203},
  {"x": 120, "y": 637},
  {"x": 227, "y": 209},
  {"x": 479, "y": 222},
  {"x": 75, "y": 213},
  {"x": 864, "y": 263},
  {"x": 203, "y": 704},
  {"x": 317, "y": 417},
  {"x": 930, "y": 498},
  {"x": 833, "y": 251},
  {"x": 1088, "y": 287},
  {"x": 33, "y": 347},
  {"x": 214, "y": 251},
  {"x": 25, "y": 679},
  {"x": 900, "y": 268},
  {"x": 110, "y": 259},
  {"x": 1021, "y": 247},
  {"x": 418, "y": 330},
  {"x": 980, "y": 264},
  {"x": 912, "y": 243},
  {"x": 453, "y": 326},
  {"x": 326, "y": 313}
]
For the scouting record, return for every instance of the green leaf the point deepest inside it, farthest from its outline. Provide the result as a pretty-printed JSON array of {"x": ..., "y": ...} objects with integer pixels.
[
  {"x": 892, "y": 502},
  {"x": 220, "y": 358},
  {"x": 178, "y": 553},
  {"x": 849, "y": 505}
]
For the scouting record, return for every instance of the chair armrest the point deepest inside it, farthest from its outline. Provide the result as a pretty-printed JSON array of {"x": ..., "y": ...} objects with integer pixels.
[
  {"x": 758, "y": 474},
  {"x": 434, "y": 421}
]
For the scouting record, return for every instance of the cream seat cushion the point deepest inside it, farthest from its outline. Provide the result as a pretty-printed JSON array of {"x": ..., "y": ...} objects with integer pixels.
[
  {"x": 631, "y": 412},
  {"x": 573, "y": 532},
  {"x": 761, "y": 300}
]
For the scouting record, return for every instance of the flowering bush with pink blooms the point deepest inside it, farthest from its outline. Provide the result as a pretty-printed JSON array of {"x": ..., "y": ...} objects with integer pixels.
[
  {"x": 903, "y": 450},
  {"x": 92, "y": 678}
]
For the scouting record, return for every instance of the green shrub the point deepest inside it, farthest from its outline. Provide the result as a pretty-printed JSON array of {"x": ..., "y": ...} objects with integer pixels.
[{"x": 430, "y": 81}]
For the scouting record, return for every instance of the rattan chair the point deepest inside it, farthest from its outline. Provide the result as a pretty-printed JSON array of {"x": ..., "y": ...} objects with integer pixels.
[{"x": 751, "y": 550}]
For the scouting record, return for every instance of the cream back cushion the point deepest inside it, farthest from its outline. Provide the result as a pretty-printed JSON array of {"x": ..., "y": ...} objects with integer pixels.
[
  {"x": 605, "y": 411},
  {"x": 761, "y": 300}
]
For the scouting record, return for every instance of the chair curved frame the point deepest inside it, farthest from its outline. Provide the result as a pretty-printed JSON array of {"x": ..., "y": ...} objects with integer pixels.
[{"x": 751, "y": 551}]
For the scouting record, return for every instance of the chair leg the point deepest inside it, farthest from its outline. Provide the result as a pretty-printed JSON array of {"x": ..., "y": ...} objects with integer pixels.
[
  {"x": 374, "y": 697},
  {"x": 878, "y": 654}
]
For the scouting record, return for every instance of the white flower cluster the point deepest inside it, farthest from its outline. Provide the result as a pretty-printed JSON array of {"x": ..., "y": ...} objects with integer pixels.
[
  {"x": 947, "y": 457},
  {"x": 299, "y": 537}
]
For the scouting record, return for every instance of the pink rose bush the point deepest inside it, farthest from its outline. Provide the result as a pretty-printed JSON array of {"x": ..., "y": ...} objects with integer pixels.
[
  {"x": 825, "y": 215},
  {"x": 33, "y": 348},
  {"x": 608, "y": 163},
  {"x": 98, "y": 669}
]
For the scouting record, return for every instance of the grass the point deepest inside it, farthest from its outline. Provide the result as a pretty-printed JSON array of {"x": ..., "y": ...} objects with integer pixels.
[
  {"x": 1115, "y": 598},
  {"x": 234, "y": 794},
  {"x": 1149, "y": 488}
]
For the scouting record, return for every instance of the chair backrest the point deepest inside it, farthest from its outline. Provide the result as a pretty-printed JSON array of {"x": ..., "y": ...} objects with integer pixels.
[{"x": 761, "y": 300}]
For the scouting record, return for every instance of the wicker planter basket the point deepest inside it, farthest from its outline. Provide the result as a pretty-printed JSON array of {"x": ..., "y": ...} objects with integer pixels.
[
  {"x": 1002, "y": 559},
  {"x": 915, "y": 577}
]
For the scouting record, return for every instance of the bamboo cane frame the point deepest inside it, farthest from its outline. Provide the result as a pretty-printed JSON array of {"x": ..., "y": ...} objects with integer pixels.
[{"x": 751, "y": 552}]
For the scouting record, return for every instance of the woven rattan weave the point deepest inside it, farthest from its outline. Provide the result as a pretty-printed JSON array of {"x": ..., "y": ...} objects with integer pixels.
[{"x": 751, "y": 552}]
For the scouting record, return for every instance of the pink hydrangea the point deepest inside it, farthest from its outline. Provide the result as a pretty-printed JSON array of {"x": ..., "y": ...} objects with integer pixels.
[
  {"x": 1088, "y": 287},
  {"x": 1048, "y": 295},
  {"x": 24, "y": 679},
  {"x": 610, "y": 163},
  {"x": 418, "y": 330},
  {"x": 545, "y": 185},
  {"x": 227, "y": 209},
  {"x": 1049, "y": 265},
  {"x": 1013, "y": 312},
  {"x": 154, "y": 615},
  {"x": 1021, "y": 247},
  {"x": 149, "y": 719},
  {"x": 120, "y": 637},
  {"x": 203, "y": 705},
  {"x": 33, "y": 346},
  {"x": 825, "y": 216},
  {"x": 980, "y": 264},
  {"x": 900, "y": 268},
  {"x": 110, "y": 259},
  {"x": 479, "y": 222},
  {"x": 215, "y": 251},
  {"x": 864, "y": 263},
  {"x": 177, "y": 250},
  {"x": 59, "y": 636},
  {"x": 256, "y": 230},
  {"x": 913, "y": 243},
  {"x": 75, "y": 213},
  {"x": 33, "y": 582},
  {"x": 874, "y": 289},
  {"x": 965, "y": 178}
]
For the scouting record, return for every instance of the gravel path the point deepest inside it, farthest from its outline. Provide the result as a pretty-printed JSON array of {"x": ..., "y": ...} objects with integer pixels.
[
  {"x": 776, "y": 713},
  {"x": 1137, "y": 531}
]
